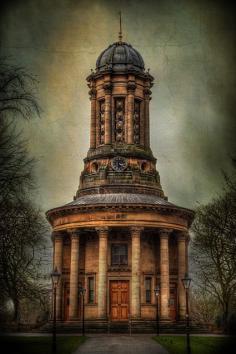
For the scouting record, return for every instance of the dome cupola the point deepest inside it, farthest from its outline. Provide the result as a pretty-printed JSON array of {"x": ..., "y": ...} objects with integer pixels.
[{"x": 120, "y": 57}]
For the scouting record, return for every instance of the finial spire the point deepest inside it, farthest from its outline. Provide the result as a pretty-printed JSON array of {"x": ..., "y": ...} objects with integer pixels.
[{"x": 120, "y": 33}]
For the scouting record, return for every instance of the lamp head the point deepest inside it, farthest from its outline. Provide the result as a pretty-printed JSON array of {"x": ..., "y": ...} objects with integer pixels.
[
  {"x": 157, "y": 290},
  {"x": 55, "y": 275},
  {"x": 82, "y": 290},
  {"x": 186, "y": 281}
]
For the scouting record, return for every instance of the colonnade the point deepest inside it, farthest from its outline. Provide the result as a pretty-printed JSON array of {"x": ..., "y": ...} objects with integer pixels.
[
  {"x": 129, "y": 116},
  {"x": 103, "y": 234}
]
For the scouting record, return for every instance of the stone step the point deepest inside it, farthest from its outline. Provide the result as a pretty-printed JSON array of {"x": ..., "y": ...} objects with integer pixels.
[{"x": 124, "y": 327}]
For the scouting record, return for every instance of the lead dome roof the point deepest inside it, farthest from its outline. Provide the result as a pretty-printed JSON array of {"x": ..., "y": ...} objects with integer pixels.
[{"x": 120, "y": 56}]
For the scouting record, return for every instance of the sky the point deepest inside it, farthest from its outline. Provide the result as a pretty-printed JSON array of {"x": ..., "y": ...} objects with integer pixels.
[{"x": 189, "y": 47}]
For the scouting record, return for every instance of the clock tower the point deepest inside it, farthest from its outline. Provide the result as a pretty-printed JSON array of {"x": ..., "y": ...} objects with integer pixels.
[
  {"x": 120, "y": 158},
  {"x": 120, "y": 238}
]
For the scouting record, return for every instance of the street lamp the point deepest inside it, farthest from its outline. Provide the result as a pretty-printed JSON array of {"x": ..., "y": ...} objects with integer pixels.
[
  {"x": 55, "y": 275},
  {"x": 157, "y": 292},
  {"x": 186, "y": 284},
  {"x": 82, "y": 292}
]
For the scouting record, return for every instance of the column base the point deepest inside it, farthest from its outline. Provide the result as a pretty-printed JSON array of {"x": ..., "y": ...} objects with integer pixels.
[
  {"x": 165, "y": 319},
  {"x": 74, "y": 319}
]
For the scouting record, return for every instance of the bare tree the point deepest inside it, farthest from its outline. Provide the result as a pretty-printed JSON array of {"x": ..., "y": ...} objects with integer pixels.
[
  {"x": 23, "y": 229},
  {"x": 17, "y": 92},
  {"x": 22, "y": 248},
  {"x": 213, "y": 250}
]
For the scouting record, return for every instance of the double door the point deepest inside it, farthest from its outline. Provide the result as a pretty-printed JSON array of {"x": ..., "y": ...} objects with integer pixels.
[{"x": 119, "y": 300}]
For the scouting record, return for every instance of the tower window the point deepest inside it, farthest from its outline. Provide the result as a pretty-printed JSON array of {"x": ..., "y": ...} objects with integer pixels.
[
  {"x": 148, "y": 288},
  {"x": 119, "y": 121},
  {"x": 119, "y": 254},
  {"x": 102, "y": 121},
  {"x": 136, "y": 122},
  {"x": 91, "y": 290}
]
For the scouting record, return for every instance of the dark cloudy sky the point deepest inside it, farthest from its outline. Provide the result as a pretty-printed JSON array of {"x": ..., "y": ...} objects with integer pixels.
[{"x": 189, "y": 47}]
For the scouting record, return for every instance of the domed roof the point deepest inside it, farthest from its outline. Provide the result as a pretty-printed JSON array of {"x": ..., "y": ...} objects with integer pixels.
[{"x": 120, "y": 56}]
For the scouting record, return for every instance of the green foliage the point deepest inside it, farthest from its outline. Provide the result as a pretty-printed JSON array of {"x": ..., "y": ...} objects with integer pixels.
[
  {"x": 199, "y": 345},
  {"x": 40, "y": 345}
]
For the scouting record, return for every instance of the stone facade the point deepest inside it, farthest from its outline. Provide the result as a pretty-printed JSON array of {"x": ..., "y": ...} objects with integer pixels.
[{"x": 120, "y": 237}]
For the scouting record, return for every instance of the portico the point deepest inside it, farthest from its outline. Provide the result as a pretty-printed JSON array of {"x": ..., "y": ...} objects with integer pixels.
[{"x": 129, "y": 272}]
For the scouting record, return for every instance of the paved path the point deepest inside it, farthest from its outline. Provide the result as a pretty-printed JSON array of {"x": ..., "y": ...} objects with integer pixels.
[{"x": 119, "y": 344}]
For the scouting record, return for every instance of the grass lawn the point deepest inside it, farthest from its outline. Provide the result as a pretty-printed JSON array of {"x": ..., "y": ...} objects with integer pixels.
[
  {"x": 38, "y": 345},
  {"x": 199, "y": 345}
]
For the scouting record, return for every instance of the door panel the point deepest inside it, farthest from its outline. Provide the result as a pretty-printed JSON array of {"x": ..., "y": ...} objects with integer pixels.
[{"x": 119, "y": 300}]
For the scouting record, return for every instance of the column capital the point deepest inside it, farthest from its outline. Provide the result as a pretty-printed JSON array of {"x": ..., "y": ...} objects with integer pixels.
[
  {"x": 57, "y": 235},
  {"x": 183, "y": 236},
  {"x": 74, "y": 233},
  {"x": 102, "y": 231},
  {"x": 165, "y": 232},
  {"x": 136, "y": 230}
]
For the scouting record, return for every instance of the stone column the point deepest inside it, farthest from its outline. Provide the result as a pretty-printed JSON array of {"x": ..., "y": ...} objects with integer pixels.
[
  {"x": 58, "y": 254},
  {"x": 135, "y": 281},
  {"x": 102, "y": 272},
  {"x": 130, "y": 108},
  {"x": 108, "y": 90},
  {"x": 74, "y": 275},
  {"x": 92, "y": 93},
  {"x": 142, "y": 123},
  {"x": 164, "y": 273},
  {"x": 182, "y": 238},
  {"x": 147, "y": 93}
]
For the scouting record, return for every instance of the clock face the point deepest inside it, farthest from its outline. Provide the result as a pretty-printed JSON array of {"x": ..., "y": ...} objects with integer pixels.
[{"x": 119, "y": 163}]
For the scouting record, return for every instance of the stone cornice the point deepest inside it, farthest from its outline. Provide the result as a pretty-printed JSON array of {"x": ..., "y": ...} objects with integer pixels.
[{"x": 68, "y": 210}]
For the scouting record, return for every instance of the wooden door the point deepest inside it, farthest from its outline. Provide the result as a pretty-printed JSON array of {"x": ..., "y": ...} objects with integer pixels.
[
  {"x": 119, "y": 300},
  {"x": 173, "y": 302}
]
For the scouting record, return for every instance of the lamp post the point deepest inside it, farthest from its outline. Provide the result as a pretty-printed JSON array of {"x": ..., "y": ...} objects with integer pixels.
[
  {"x": 55, "y": 275},
  {"x": 157, "y": 292},
  {"x": 82, "y": 292},
  {"x": 186, "y": 284}
]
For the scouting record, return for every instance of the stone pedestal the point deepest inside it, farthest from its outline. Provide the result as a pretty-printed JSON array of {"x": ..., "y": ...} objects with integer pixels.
[
  {"x": 58, "y": 253},
  {"x": 74, "y": 275},
  {"x": 102, "y": 273},
  {"x": 135, "y": 280},
  {"x": 164, "y": 274}
]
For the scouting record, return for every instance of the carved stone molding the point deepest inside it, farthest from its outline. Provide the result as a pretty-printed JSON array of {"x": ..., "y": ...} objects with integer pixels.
[
  {"x": 107, "y": 86},
  {"x": 92, "y": 93},
  {"x": 131, "y": 86},
  {"x": 147, "y": 93}
]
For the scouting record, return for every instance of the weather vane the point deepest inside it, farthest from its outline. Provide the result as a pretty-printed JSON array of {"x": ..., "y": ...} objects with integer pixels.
[{"x": 120, "y": 33}]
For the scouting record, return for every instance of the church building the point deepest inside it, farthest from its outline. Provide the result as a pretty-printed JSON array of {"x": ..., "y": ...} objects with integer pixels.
[{"x": 120, "y": 237}]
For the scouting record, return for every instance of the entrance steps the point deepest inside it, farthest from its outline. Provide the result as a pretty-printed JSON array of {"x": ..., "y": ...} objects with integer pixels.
[{"x": 125, "y": 327}]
